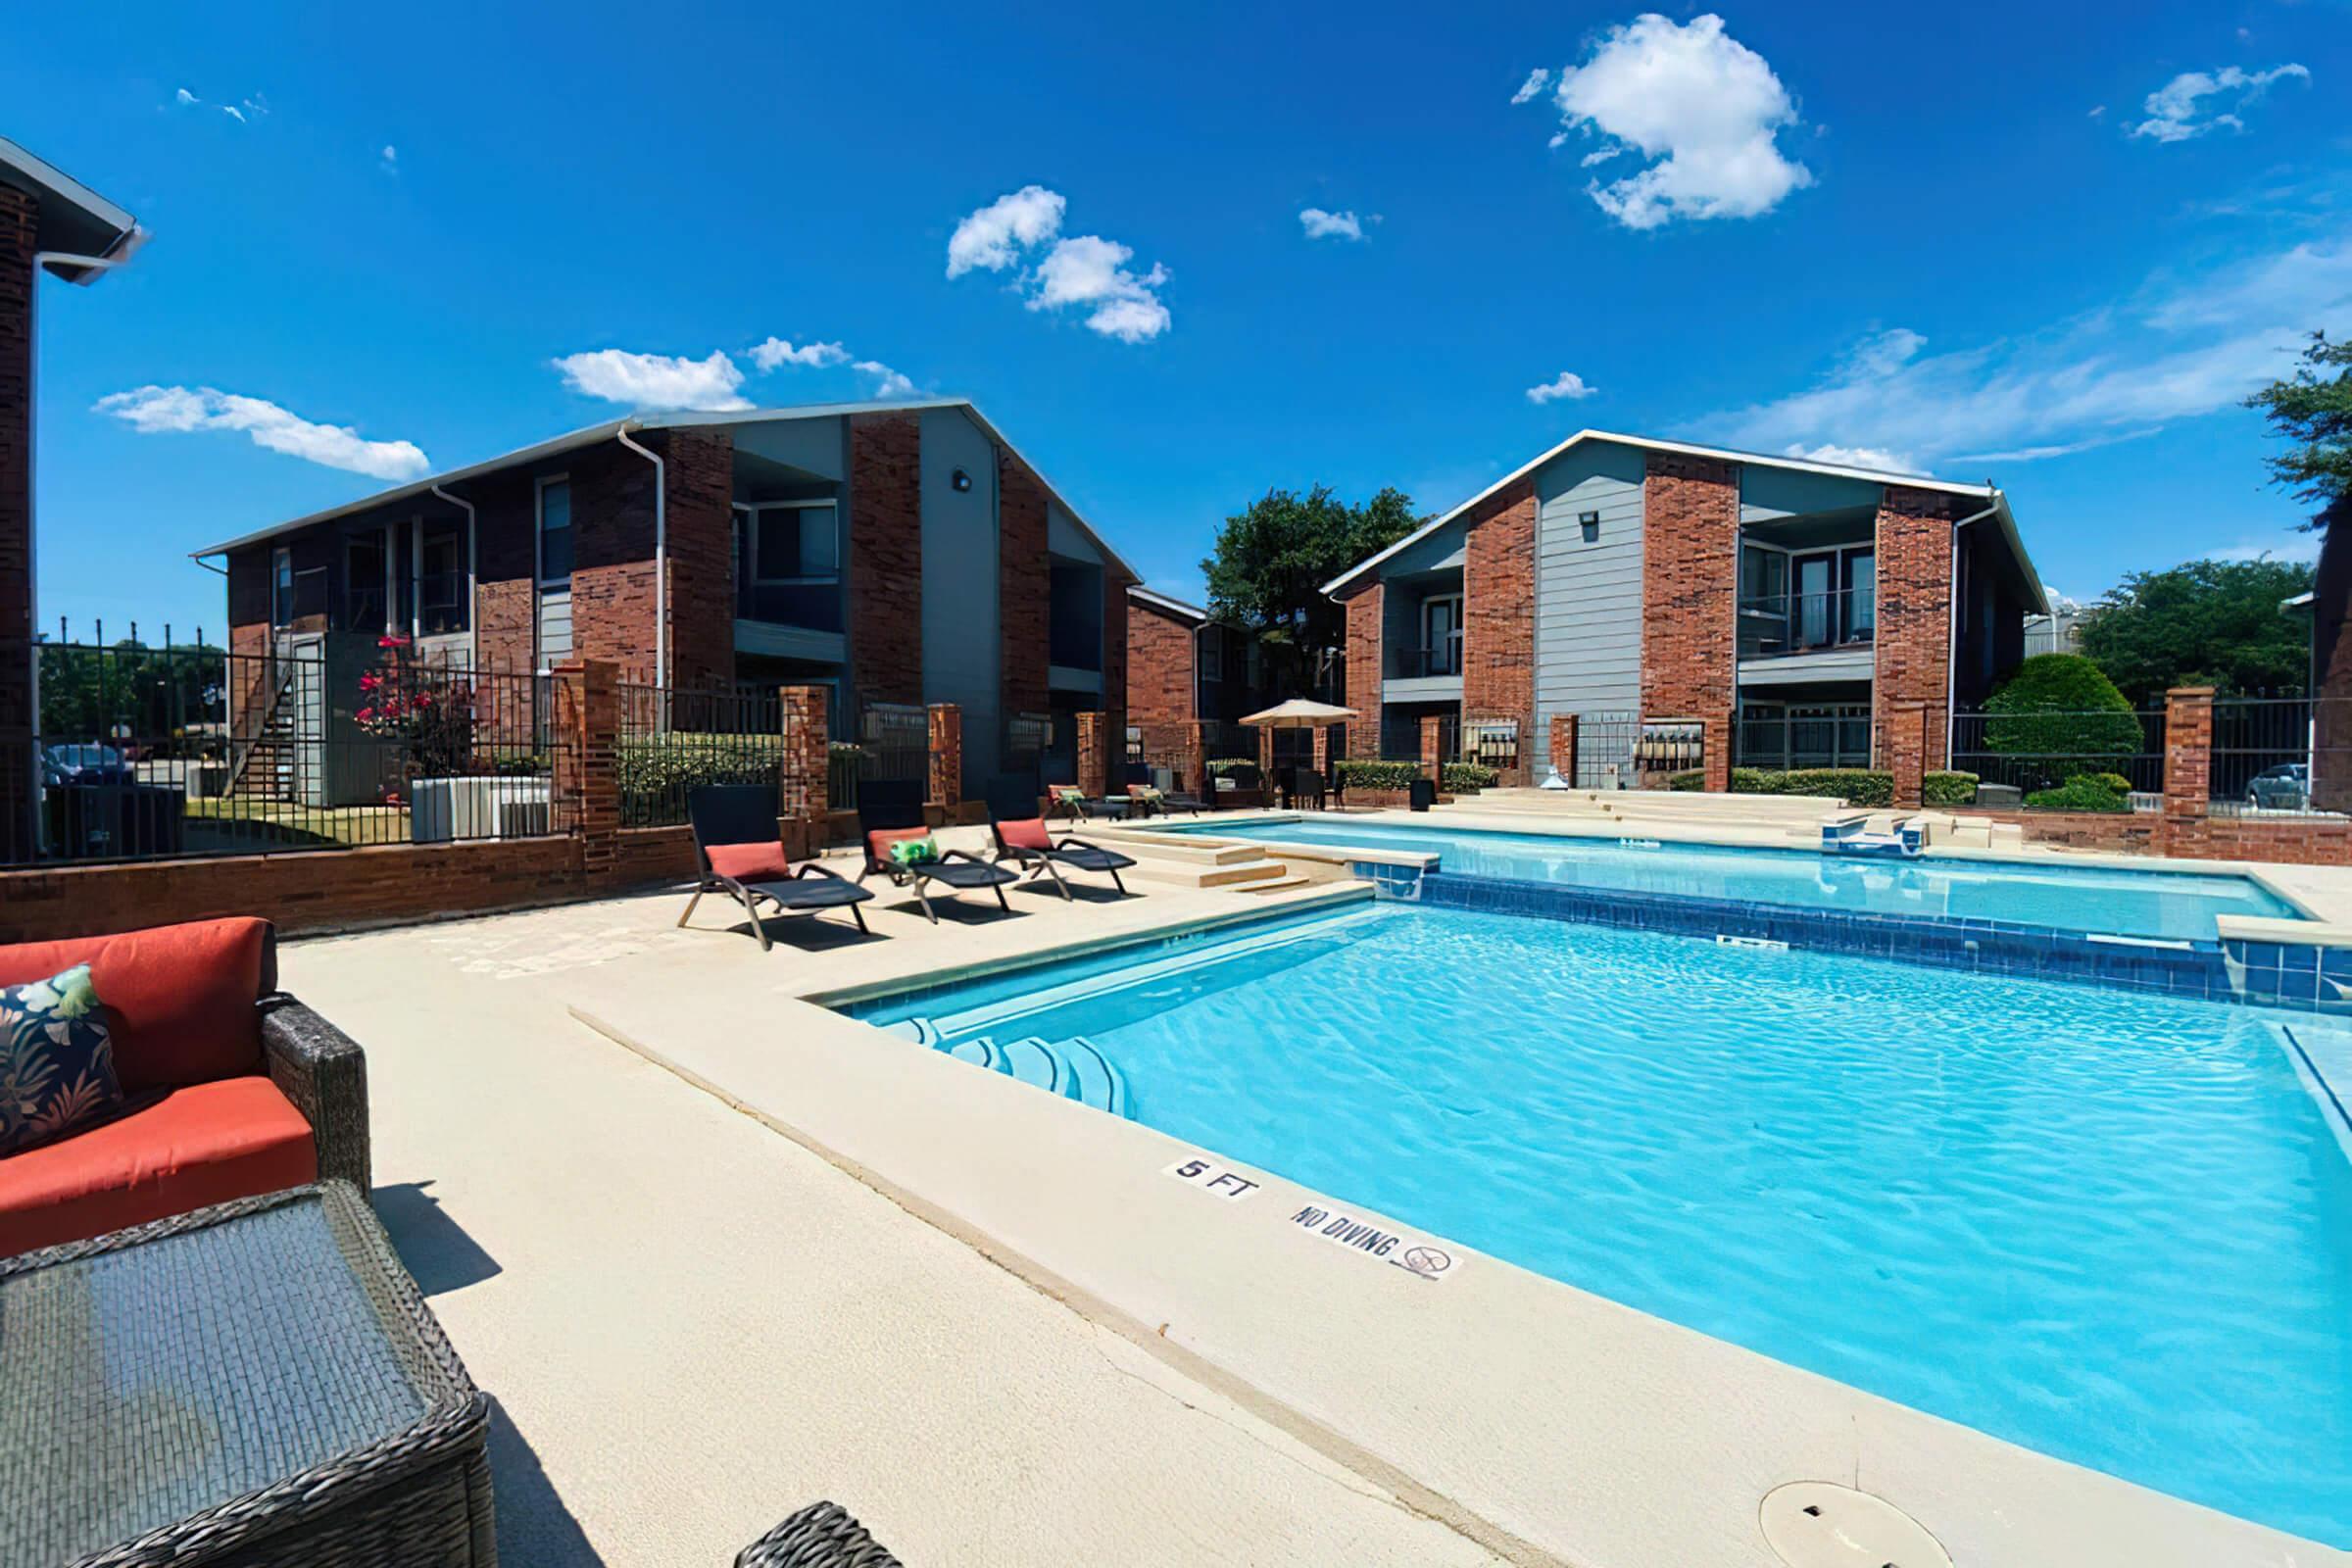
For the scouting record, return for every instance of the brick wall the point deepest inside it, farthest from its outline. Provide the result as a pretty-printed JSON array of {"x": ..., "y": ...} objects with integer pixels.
[
  {"x": 1498, "y": 617},
  {"x": 1024, "y": 587},
  {"x": 1364, "y": 658},
  {"x": 613, "y": 589},
  {"x": 1160, "y": 666},
  {"x": 698, "y": 484},
  {"x": 1689, "y": 586},
  {"x": 1913, "y": 660},
  {"x": 17, "y": 284},
  {"x": 886, "y": 557}
]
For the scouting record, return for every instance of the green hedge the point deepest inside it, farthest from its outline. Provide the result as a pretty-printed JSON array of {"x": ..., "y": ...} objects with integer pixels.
[
  {"x": 2060, "y": 716},
  {"x": 1371, "y": 774},
  {"x": 653, "y": 775},
  {"x": 1243, "y": 770},
  {"x": 2085, "y": 792},
  {"x": 1856, "y": 786},
  {"x": 1468, "y": 778}
]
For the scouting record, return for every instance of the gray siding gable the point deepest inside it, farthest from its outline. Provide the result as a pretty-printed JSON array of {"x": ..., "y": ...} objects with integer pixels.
[{"x": 1587, "y": 633}]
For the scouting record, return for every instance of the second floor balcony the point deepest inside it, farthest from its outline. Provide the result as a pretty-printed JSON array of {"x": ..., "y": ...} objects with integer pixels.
[
  {"x": 1800, "y": 621},
  {"x": 1435, "y": 660}
]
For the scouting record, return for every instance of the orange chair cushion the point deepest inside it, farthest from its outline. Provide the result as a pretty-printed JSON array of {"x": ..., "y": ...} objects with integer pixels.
[
  {"x": 202, "y": 1143},
  {"x": 182, "y": 996},
  {"x": 879, "y": 841},
  {"x": 1027, "y": 834},
  {"x": 749, "y": 863}
]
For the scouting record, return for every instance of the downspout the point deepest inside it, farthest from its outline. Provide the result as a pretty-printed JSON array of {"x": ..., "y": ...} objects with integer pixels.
[
  {"x": 661, "y": 568},
  {"x": 473, "y": 585},
  {"x": 1951, "y": 616}
]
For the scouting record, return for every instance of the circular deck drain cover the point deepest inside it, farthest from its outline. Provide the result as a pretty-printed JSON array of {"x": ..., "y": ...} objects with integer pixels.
[{"x": 1819, "y": 1524}]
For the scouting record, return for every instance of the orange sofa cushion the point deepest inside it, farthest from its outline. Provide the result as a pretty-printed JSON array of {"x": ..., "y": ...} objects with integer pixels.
[
  {"x": 182, "y": 996},
  {"x": 749, "y": 863},
  {"x": 203, "y": 1144},
  {"x": 1029, "y": 833}
]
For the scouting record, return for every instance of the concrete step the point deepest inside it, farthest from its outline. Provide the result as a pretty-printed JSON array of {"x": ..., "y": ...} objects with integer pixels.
[
  {"x": 1278, "y": 884},
  {"x": 1161, "y": 846},
  {"x": 1246, "y": 873}
]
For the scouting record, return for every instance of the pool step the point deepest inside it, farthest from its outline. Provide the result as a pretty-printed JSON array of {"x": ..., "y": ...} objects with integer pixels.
[
  {"x": 1281, "y": 884},
  {"x": 1074, "y": 1068},
  {"x": 1167, "y": 847},
  {"x": 1229, "y": 874}
]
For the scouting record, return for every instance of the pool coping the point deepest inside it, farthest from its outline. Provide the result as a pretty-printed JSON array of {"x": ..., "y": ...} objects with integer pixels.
[{"x": 1552, "y": 1425}]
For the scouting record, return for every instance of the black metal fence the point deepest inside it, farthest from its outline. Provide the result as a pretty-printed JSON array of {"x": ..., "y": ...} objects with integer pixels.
[
  {"x": 2029, "y": 752},
  {"x": 140, "y": 753},
  {"x": 670, "y": 741},
  {"x": 1782, "y": 736},
  {"x": 1604, "y": 751},
  {"x": 2281, "y": 756}
]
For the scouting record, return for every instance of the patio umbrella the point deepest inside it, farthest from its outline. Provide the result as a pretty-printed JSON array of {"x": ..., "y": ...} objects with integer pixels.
[{"x": 1300, "y": 714}]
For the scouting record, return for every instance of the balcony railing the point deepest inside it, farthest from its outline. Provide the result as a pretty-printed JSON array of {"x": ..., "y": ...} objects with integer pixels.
[
  {"x": 1074, "y": 646},
  {"x": 1421, "y": 663},
  {"x": 810, "y": 605},
  {"x": 1807, "y": 622}
]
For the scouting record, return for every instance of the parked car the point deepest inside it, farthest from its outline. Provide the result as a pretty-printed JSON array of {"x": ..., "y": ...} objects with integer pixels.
[
  {"x": 84, "y": 764},
  {"x": 2284, "y": 788}
]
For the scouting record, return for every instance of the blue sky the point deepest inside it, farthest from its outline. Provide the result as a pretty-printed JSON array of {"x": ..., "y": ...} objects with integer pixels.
[{"x": 1960, "y": 239}]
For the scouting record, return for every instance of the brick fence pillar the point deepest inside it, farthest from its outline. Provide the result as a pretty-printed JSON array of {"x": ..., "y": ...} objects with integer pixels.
[
  {"x": 1715, "y": 753},
  {"x": 1093, "y": 757},
  {"x": 2187, "y": 768},
  {"x": 1563, "y": 747},
  {"x": 1907, "y": 754},
  {"x": 1432, "y": 759},
  {"x": 587, "y": 770},
  {"x": 947, "y": 756},
  {"x": 803, "y": 782}
]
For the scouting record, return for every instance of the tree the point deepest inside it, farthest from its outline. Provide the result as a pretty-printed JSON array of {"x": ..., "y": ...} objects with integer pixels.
[
  {"x": 2313, "y": 409},
  {"x": 2202, "y": 623},
  {"x": 1273, "y": 559},
  {"x": 2059, "y": 716}
]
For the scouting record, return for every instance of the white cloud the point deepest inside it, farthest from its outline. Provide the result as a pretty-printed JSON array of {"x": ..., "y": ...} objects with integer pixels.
[
  {"x": 808, "y": 356},
  {"x": 888, "y": 383},
  {"x": 1854, "y": 456},
  {"x": 1702, "y": 107},
  {"x": 2300, "y": 547},
  {"x": 389, "y": 159},
  {"x": 156, "y": 410},
  {"x": 1567, "y": 387},
  {"x": 992, "y": 237},
  {"x": 2170, "y": 351},
  {"x": 1320, "y": 225},
  {"x": 655, "y": 380},
  {"x": 243, "y": 113},
  {"x": 2173, "y": 109},
  {"x": 1537, "y": 81},
  {"x": 1079, "y": 270},
  {"x": 2062, "y": 449}
]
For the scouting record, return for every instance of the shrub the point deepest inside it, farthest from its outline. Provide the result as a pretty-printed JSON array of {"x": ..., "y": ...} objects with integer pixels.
[
  {"x": 1948, "y": 789},
  {"x": 1243, "y": 770},
  {"x": 1371, "y": 774},
  {"x": 2114, "y": 781},
  {"x": 2059, "y": 715},
  {"x": 1468, "y": 778},
  {"x": 1693, "y": 780},
  {"x": 2082, "y": 793},
  {"x": 654, "y": 776}
]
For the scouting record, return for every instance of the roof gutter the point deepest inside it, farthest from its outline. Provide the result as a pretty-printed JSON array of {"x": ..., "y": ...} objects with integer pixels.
[
  {"x": 473, "y": 614},
  {"x": 660, "y": 563},
  {"x": 89, "y": 268}
]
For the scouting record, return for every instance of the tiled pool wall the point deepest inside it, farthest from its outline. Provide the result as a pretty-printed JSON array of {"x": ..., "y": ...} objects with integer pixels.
[{"x": 2304, "y": 976}]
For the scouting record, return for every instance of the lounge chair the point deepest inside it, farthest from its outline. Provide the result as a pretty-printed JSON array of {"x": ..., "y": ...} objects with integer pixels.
[
  {"x": 741, "y": 854},
  {"x": 891, "y": 809},
  {"x": 1022, "y": 838},
  {"x": 1150, "y": 800},
  {"x": 1081, "y": 807}
]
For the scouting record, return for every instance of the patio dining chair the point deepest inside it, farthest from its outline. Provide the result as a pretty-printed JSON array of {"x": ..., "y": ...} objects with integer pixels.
[
  {"x": 740, "y": 852},
  {"x": 890, "y": 810},
  {"x": 1022, "y": 836},
  {"x": 823, "y": 1535}
]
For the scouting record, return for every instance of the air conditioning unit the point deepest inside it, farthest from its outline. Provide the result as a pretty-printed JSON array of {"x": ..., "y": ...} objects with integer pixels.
[{"x": 444, "y": 809}]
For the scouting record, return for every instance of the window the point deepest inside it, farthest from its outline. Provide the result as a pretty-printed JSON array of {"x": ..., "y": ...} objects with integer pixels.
[
  {"x": 1442, "y": 634},
  {"x": 791, "y": 544},
  {"x": 364, "y": 569},
  {"x": 1212, "y": 653},
  {"x": 282, "y": 587},
  {"x": 1861, "y": 585},
  {"x": 554, "y": 531},
  {"x": 441, "y": 580},
  {"x": 1763, "y": 577}
]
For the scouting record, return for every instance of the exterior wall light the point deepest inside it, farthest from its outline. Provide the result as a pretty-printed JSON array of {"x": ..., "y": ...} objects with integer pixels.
[{"x": 960, "y": 480}]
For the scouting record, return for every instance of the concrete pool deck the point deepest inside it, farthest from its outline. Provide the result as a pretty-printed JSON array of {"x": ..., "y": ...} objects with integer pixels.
[
  {"x": 691, "y": 1326},
  {"x": 1538, "y": 1422}
]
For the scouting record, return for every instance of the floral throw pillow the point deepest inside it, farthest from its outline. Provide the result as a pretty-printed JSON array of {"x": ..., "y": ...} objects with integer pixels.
[
  {"x": 57, "y": 1058},
  {"x": 916, "y": 852}
]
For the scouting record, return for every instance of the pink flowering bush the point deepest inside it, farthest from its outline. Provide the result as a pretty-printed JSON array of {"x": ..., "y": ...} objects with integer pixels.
[{"x": 430, "y": 710}]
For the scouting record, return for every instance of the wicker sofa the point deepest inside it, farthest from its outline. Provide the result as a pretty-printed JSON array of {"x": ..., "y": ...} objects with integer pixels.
[{"x": 232, "y": 1089}]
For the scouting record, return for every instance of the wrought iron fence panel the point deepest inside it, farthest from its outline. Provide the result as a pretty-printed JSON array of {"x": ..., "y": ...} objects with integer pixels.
[
  {"x": 672, "y": 740},
  {"x": 2029, "y": 752}
]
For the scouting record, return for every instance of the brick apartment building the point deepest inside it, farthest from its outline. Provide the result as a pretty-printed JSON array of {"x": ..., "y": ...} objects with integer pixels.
[
  {"x": 48, "y": 223},
  {"x": 1769, "y": 610},
  {"x": 899, "y": 554},
  {"x": 1185, "y": 668}
]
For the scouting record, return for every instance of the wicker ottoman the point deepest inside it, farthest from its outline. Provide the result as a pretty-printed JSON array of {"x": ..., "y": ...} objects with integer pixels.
[{"x": 254, "y": 1383}]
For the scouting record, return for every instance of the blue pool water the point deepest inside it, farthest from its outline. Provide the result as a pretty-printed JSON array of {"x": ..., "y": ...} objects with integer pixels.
[
  {"x": 2110, "y": 1226},
  {"x": 2127, "y": 902}
]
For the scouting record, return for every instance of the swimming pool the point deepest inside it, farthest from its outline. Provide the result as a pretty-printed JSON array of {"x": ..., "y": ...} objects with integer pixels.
[
  {"x": 2173, "y": 905},
  {"x": 2110, "y": 1226}
]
